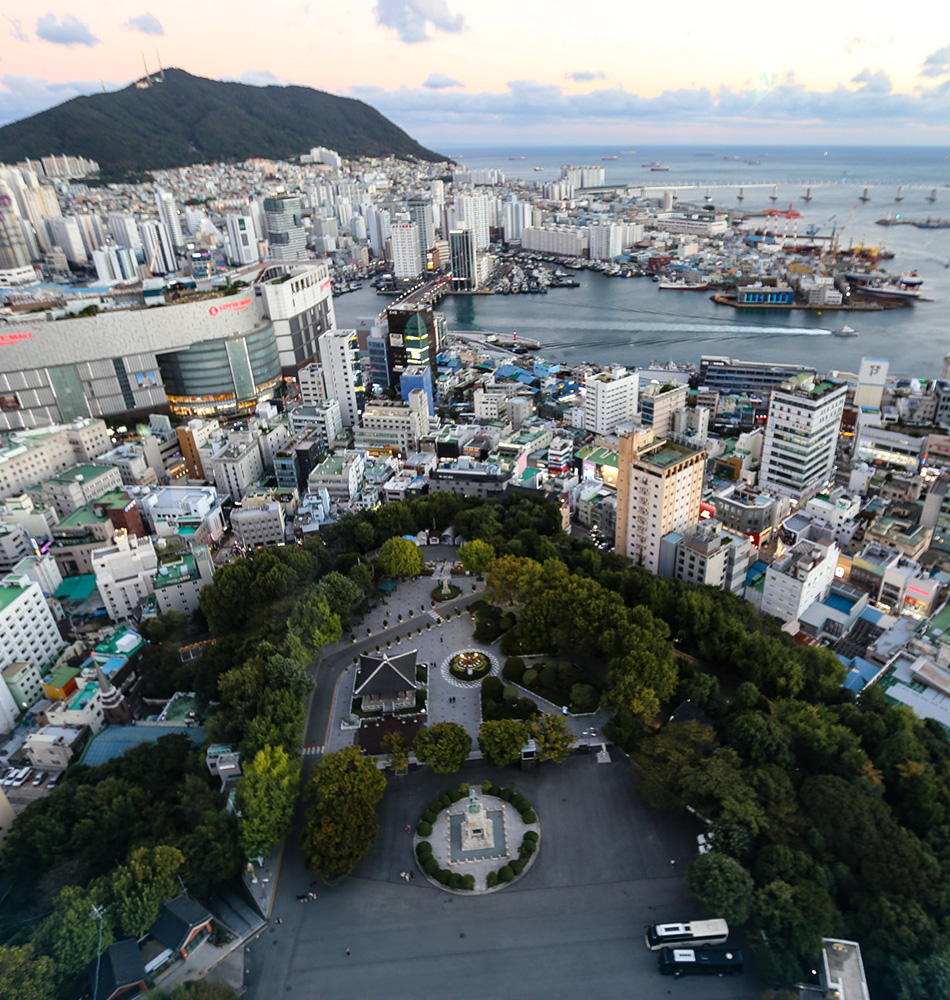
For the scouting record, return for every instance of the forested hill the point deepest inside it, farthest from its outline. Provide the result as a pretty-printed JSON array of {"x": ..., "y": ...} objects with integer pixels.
[{"x": 189, "y": 119}]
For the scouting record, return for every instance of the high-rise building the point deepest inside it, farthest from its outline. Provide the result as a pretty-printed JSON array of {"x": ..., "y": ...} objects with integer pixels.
[
  {"x": 157, "y": 248},
  {"x": 242, "y": 240},
  {"x": 286, "y": 235},
  {"x": 408, "y": 261},
  {"x": 125, "y": 573},
  {"x": 124, "y": 230},
  {"x": 475, "y": 211},
  {"x": 420, "y": 212},
  {"x": 464, "y": 260},
  {"x": 606, "y": 242},
  {"x": 168, "y": 216},
  {"x": 659, "y": 489},
  {"x": 872, "y": 377},
  {"x": 415, "y": 338},
  {"x": 801, "y": 435},
  {"x": 115, "y": 264},
  {"x": 64, "y": 233},
  {"x": 14, "y": 252},
  {"x": 91, "y": 231},
  {"x": 378, "y": 225},
  {"x": 339, "y": 355},
  {"x": 515, "y": 216},
  {"x": 658, "y": 403},
  {"x": 611, "y": 399},
  {"x": 312, "y": 383}
]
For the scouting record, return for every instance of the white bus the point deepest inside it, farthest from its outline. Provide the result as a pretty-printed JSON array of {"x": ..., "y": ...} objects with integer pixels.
[{"x": 695, "y": 934}]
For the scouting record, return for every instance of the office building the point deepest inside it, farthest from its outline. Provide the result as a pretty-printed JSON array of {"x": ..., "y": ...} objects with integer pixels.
[
  {"x": 394, "y": 426},
  {"x": 420, "y": 212},
  {"x": 415, "y": 338},
  {"x": 798, "y": 579},
  {"x": 242, "y": 240},
  {"x": 801, "y": 435},
  {"x": 417, "y": 377},
  {"x": 659, "y": 489},
  {"x": 610, "y": 399},
  {"x": 180, "y": 578},
  {"x": 325, "y": 419},
  {"x": 731, "y": 376},
  {"x": 286, "y": 236},
  {"x": 707, "y": 555},
  {"x": 342, "y": 373},
  {"x": 377, "y": 344},
  {"x": 464, "y": 260},
  {"x": 24, "y": 682},
  {"x": 67, "y": 491},
  {"x": 474, "y": 210},
  {"x": 234, "y": 464},
  {"x": 192, "y": 437},
  {"x": 312, "y": 383}
]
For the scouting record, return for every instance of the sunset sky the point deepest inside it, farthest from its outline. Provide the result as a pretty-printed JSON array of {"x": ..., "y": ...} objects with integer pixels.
[{"x": 542, "y": 73}]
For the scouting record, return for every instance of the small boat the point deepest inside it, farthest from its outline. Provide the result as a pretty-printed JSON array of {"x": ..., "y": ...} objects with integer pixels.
[
  {"x": 807, "y": 195},
  {"x": 889, "y": 290},
  {"x": 900, "y": 194},
  {"x": 732, "y": 157},
  {"x": 910, "y": 280},
  {"x": 682, "y": 286},
  {"x": 610, "y": 157},
  {"x": 741, "y": 195},
  {"x": 844, "y": 331},
  {"x": 932, "y": 196},
  {"x": 517, "y": 157},
  {"x": 754, "y": 163},
  {"x": 774, "y": 195},
  {"x": 864, "y": 196},
  {"x": 539, "y": 168},
  {"x": 658, "y": 169}
]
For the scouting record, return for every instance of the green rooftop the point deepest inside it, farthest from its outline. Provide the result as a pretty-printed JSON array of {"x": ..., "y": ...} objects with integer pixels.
[
  {"x": 9, "y": 594},
  {"x": 76, "y": 588},
  {"x": 61, "y": 677},
  {"x": 88, "y": 472}
]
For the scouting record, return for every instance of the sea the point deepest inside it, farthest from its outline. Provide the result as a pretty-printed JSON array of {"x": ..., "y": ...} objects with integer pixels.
[{"x": 632, "y": 323}]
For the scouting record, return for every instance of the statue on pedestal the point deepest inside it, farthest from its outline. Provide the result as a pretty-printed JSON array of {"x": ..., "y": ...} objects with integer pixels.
[{"x": 478, "y": 831}]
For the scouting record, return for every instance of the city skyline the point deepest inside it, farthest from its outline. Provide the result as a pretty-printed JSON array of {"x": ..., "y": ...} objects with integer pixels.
[{"x": 453, "y": 72}]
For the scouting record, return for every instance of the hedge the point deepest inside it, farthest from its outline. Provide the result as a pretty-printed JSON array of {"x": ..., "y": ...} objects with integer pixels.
[
  {"x": 445, "y": 800},
  {"x": 530, "y": 677},
  {"x": 429, "y": 816},
  {"x": 423, "y": 850},
  {"x": 455, "y": 881},
  {"x": 443, "y": 875},
  {"x": 430, "y": 866},
  {"x": 424, "y": 829},
  {"x": 516, "y": 866},
  {"x": 531, "y": 835},
  {"x": 528, "y": 816},
  {"x": 507, "y": 794},
  {"x": 468, "y": 881},
  {"x": 495, "y": 790},
  {"x": 505, "y": 874},
  {"x": 435, "y": 806},
  {"x": 514, "y": 669},
  {"x": 454, "y": 794},
  {"x": 486, "y": 787}
]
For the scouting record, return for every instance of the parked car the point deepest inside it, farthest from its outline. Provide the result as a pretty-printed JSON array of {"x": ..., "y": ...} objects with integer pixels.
[
  {"x": 38, "y": 780},
  {"x": 54, "y": 781},
  {"x": 21, "y": 777},
  {"x": 8, "y": 776}
]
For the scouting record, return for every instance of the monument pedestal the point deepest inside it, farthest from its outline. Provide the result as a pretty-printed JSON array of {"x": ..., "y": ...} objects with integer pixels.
[{"x": 478, "y": 832}]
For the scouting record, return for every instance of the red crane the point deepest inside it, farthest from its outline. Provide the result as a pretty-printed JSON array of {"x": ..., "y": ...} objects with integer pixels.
[{"x": 772, "y": 215}]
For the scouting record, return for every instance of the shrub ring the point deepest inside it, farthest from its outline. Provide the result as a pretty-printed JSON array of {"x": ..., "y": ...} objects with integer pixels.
[
  {"x": 492, "y": 802},
  {"x": 460, "y": 678}
]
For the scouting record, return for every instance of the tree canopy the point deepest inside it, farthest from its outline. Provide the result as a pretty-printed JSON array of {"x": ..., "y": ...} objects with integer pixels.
[
  {"x": 444, "y": 746},
  {"x": 400, "y": 557}
]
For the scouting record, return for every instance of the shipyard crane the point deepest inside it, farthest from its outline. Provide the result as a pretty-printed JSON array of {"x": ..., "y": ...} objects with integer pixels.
[
  {"x": 835, "y": 239},
  {"x": 814, "y": 229},
  {"x": 772, "y": 215}
]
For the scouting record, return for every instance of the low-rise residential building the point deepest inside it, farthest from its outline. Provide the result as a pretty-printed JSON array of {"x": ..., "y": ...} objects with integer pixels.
[
  {"x": 234, "y": 464},
  {"x": 178, "y": 582},
  {"x": 749, "y": 512},
  {"x": 799, "y": 578},
  {"x": 24, "y": 682},
  {"x": 706, "y": 554},
  {"x": 125, "y": 572},
  {"x": 28, "y": 631},
  {"x": 54, "y": 746},
  {"x": 324, "y": 418},
  {"x": 32, "y": 455},
  {"x": 471, "y": 478},
  {"x": 69, "y": 490},
  {"x": 192, "y": 513},
  {"x": 341, "y": 475}
]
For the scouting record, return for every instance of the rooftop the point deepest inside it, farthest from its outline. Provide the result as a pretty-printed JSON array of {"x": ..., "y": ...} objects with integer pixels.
[
  {"x": 113, "y": 741},
  {"x": 87, "y": 472},
  {"x": 9, "y": 594}
]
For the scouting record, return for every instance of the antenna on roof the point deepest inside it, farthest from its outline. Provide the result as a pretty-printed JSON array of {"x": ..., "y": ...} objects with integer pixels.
[{"x": 161, "y": 72}]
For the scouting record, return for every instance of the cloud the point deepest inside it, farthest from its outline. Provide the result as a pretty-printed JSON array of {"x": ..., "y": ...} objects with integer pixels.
[
  {"x": 439, "y": 81},
  {"x": 859, "y": 42},
  {"x": 530, "y": 105},
  {"x": 22, "y": 96},
  {"x": 410, "y": 19},
  {"x": 69, "y": 31},
  {"x": 583, "y": 76},
  {"x": 937, "y": 63},
  {"x": 257, "y": 78},
  {"x": 873, "y": 81},
  {"x": 16, "y": 29},
  {"x": 147, "y": 23}
]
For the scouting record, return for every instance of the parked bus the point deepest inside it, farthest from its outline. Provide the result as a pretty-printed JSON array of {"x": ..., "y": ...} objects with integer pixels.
[
  {"x": 695, "y": 934},
  {"x": 700, "y": 962}
]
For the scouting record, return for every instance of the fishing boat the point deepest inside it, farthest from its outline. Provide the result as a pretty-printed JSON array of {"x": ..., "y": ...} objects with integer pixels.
[
  {"x": 892, "y": 291},
  {"x": 682, "y": 286},
  {"x": 610, "y": 157},
  {"x": 660, "y": 168},
  {"x": 844, "y": 331}
]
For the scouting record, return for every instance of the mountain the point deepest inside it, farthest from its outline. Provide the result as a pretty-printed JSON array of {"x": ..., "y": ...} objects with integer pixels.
[{"x": 190, "y": 119}]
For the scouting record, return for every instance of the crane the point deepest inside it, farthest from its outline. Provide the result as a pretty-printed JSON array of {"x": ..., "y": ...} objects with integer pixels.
[
  {"x": 835, "y": 239},
  {"x": 814, "y": 229}
]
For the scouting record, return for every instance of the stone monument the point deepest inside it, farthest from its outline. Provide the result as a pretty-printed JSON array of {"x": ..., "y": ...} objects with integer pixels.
[{"x": 478, "y": 831}]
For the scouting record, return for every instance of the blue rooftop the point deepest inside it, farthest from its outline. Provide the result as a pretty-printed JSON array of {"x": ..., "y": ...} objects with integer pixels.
[
  {"x": 872, "y": 615},
  {"x": 860, "y": 673},
  {"x": 113, "y": 741},
  {"x": 839, "y": 603}
]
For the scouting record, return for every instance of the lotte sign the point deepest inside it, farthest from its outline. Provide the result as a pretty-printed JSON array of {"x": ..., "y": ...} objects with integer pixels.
[{"x": 229, "y": 307}]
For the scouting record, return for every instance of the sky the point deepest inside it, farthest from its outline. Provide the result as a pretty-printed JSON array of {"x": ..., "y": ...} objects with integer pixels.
[{"x": 498, "y": 72}]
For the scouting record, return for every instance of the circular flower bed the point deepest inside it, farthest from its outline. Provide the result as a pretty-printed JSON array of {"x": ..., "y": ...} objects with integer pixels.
[
  {"x": 469, "y": 666},
  {"x": 442, "y": 593}
]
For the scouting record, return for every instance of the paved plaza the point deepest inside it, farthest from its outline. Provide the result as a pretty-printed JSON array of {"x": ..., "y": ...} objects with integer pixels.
[{"x": 571, "y": 927}]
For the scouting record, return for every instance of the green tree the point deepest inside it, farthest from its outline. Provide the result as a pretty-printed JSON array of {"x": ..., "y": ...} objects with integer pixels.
[
  {"x": 400, "y": 557},
  {"x": 341, "y": 823},
  {"x": 397, "y": 749},
  {"x": 26, "y": 976},
  {"x": 660, "y": 761},
  {"x": 552, "y": 736},
  {"x": 70, "y": 935},
  {"x": 723, "y": 885},
  {"x": 265, "y": 798},
  {"x": 501, "y": 741},
  {"x": 140, "y": 887},
  {"x": 341, "y": 593},
  {"x": 313, "y": 623},
  {"x": 476, "y": 556},
  {"x": 511, "y": 580},
  {"x": 443, "y": 746}
]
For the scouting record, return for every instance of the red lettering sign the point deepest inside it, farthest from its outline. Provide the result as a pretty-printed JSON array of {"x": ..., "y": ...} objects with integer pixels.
[
  {"x": 325, "y": 285},
  {"x": 229, "y": 307},
  {"x": 12, "y": 338}
]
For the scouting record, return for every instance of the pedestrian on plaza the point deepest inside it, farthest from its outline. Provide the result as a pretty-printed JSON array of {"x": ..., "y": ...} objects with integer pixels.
[
  {"x": 279, "y": 920},
  {"x": 347, "y": 952},
  {"x": 409, "y": 828},
  {"x": 441, "y": 638},
  {"x": 412, "y": 875}
]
